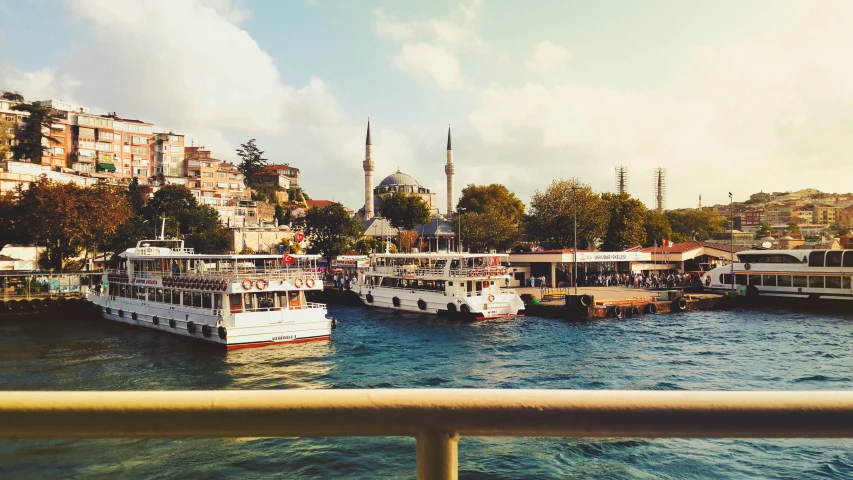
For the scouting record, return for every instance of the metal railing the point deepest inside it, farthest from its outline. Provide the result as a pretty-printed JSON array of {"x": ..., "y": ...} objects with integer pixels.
[{"x": 435, "y": 417}]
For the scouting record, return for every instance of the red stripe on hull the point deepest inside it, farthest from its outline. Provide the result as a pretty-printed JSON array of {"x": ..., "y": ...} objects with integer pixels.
[{"x": 266, "y": 344}]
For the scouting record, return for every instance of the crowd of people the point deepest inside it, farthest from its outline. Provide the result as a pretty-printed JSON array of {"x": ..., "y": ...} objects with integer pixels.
[{"x": 639, "y": 280}]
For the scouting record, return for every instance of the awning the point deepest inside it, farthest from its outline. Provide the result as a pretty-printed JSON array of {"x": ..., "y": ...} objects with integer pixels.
[{"x": 107, "y": 166}]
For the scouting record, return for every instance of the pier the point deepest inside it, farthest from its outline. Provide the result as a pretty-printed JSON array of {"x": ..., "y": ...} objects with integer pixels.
[
  {"x": 28, "y": 292},
  {"x": 612, "y": 302}
]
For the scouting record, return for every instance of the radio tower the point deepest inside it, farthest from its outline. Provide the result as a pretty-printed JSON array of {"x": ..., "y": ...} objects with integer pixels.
[
  {"x": 660, "y": 189},
  {"x": 622, "y": 179}
]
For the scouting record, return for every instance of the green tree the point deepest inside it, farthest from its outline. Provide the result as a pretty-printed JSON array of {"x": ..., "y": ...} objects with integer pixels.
[
  {"x": 494, "y": 199},
  {"x": 657, "y": 228},
  {"x": 283, "y": 215},
  {"x": 404, "y": 211},
  {"x": 9, "y": 213},
  {"x": 625, "y": 225},
  {"x": 134, "y": 196},
  {"x": 550, "y": 222},
  {"x": 487, "y": 230},
  {"x": 763, "y": 231},
  {"x": 365, "y": 245},
  {"x": 793, "y": 228},
  {"x": 695, "y": 223},
  {"x": 252, "y": 164},
  {"x": 331, "y": 230},
  {"x": 55, "y": 219},
  {"x": 31, "y": 143}
]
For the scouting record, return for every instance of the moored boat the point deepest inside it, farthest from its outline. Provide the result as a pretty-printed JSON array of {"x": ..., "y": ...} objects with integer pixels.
[
  {"x": 235, "y": 301},
  {"x": 455, "y": 284}
]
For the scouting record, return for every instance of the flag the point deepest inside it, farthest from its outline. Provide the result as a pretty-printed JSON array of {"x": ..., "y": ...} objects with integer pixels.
[
  {"x": 286, "y": 259},
  {"x": 496, "y": 260},
  {"x": 299, "y": 237}
]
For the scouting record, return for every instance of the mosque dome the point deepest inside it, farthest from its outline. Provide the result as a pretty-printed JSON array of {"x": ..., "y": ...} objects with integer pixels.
[{"x": 399, "y": 178}]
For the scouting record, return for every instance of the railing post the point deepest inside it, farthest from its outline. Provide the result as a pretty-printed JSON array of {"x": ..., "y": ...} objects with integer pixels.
[{"x": 438, "y": 455}]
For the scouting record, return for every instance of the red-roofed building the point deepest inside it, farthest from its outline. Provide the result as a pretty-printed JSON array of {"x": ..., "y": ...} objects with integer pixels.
[{"x": 291, "y": 173}]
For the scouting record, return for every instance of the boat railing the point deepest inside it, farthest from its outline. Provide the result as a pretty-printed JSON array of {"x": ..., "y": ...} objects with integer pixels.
[
  {"x": 307, "y": 306},
  {"x": 436, "y": 418},
  {"x": 407, "y": 289},
  {"x": 235, "y": 276}
]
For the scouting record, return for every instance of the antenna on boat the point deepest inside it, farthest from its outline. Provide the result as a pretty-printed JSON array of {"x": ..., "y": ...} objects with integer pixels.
[{"x": 163, "y": 229}]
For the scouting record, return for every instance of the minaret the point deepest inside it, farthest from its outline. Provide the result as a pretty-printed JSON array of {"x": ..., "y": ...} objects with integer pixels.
[
  {"x": 368, "y": 175},
  {"x": 700, "y": 201},
  {"x": 449, "y": 169}
]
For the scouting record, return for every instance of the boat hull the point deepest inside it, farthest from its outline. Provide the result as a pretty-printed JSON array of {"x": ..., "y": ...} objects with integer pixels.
[{"x": 438, "y": 303}]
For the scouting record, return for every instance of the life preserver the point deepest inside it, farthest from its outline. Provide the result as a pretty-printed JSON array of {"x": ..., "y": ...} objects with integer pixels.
[
  {"x": 246, "y": 284},
  {"x": 261, "y": 284},
  {"x": 617, "y": 311},
  {"x": 223, "y": 285},
  {"x": 679, "y": 304},
  {"x": 747, "y": 266},
  {"x": 491, "y": 298},
  {"x": 298, "y": 282},
  {"x": 309, "y": 282},
  {"x": 652, "y": 308},
  {"x": 635, "y": 310}
]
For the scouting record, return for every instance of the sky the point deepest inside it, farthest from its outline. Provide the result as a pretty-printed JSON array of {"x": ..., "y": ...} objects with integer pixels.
[{"x": 727, "y": 96}]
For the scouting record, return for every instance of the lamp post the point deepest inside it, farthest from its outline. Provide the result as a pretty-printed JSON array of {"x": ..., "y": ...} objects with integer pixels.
[
  {"x": 459, "y": 211},
  {"x": 732, "y": 238},
  {"x": 575, "y": 229}
]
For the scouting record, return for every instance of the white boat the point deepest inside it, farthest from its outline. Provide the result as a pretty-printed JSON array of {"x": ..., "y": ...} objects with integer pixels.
[
  {"x": 455, "y": 284},
  {"x": 236, "y": 301},
  {"x": 804, "y": 274}
]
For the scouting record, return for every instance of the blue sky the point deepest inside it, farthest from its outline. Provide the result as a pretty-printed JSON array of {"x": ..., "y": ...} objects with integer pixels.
[{"x": 727, "y": 96}]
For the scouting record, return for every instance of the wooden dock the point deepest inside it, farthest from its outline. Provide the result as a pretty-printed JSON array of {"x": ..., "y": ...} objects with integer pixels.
[{"x": 612, "y": 302}]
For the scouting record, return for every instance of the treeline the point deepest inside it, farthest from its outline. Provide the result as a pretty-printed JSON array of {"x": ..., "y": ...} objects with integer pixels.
[{"x": 67, "y": 220}]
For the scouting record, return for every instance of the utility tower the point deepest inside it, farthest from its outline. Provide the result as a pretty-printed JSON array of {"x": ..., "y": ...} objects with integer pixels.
[
  {"x": 660, "y": 189},
  {"x": 622, "y": 179}
]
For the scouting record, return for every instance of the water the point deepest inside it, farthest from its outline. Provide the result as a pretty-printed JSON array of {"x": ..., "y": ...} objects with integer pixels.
[{"x": 737, "y": 350}]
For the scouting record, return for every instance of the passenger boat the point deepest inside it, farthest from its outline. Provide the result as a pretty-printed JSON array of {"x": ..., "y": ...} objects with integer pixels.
[
  {"x": 455, "y": 284},
  {"x": 236, "y": 301},
  {"x": 803, "y": 274}
]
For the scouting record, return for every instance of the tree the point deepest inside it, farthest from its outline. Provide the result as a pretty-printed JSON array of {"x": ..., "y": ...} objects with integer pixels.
[
  {"x": 494, "y": 198},
  {"x": 31, "y": 141},
  {"x": 9, "y": 213},
  {"x": 793, "y": 228},
  {"x": 487, "y": 230},
  {"x": 284, "y": 216},
  {"x": 55, "y": 218},
  {"x": 365, "y": 245},
  {"x": 764, "y": 230},
  {"x": 695, "y": 223},
  {"x": 404, "y": 211},
  {"x": 331, "y": 230},
  {"x": 407, "y": 240},
  {"x": 134, "y": 196},
  {"x": 657, "y": 227},
  {"x": 551, "y": 224},
  {"x": 625, "y": 225},
  {"x": 253, "y": 163},
  {"x": 108, "y": 207}
]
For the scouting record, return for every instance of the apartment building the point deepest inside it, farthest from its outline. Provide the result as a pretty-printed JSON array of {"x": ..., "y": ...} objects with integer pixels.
[
  {"x": 777, "y": 214},
  {"x": 291, "y": 173},
  {"x": 169, "y": 160},
  {"x": 201, "y": 171},
  {"x": 137, "y": 148},
  {"x": 58, "y": 155},
  {"x": 95, "y": 147},
  {"x": 824, "y": 215},
  {"x": 229, "y": 181},
  {"x": 802, "y": 216},
  {"x": 10, "y": 121},
  {"x": 750, "y": 219}
]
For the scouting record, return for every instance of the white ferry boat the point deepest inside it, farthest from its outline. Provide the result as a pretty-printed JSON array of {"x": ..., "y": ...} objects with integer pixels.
[
  {"x": 454, "y": 284},
  {"x": 236, "y": 301},
  {"x": 803, "y": 274}
]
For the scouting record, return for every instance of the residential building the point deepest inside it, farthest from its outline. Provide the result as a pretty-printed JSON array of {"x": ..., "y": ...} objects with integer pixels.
[
  {"x": 274, "y": 177},
  {"x": 845, "y": 216},
  {"x": 169, "y": 160},
  {"x": 60, "y": 154},
  {"x": 777, "y": 214},
  {"x": 137, "y": 148},
  {"x": 291, "y": 173},
  {"x": 10, "y": 121},
  {"x": 802, "y": 216},
  {"x": 14, "y": 174},
  {"x": 95, "y": 146},
  {"x": 824, "y": 215},
  {"x": 229, "y": 181},
  {"x": 201, "y": 171},
  {"x": 750, "y": 219}
]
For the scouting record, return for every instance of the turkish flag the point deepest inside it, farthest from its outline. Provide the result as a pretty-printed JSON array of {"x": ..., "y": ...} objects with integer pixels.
[
  {"x": 299, "y": 237},
  {"x": 496, "y": 260},
  {"x": 286, "y": 259}
]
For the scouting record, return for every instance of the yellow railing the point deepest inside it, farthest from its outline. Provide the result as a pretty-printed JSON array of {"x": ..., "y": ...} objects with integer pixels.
[{"x": 435, "y": 417}]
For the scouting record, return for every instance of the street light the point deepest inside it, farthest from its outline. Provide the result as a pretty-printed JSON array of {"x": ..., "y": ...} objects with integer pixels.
[
  {"x": 459, "y": 211},
  {"x": 732, "y": 241},
  {"x": 575, "y": 250}
]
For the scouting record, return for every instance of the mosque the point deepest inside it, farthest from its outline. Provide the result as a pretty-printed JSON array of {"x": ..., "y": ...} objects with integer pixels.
[{"x": 399, "y": 181}]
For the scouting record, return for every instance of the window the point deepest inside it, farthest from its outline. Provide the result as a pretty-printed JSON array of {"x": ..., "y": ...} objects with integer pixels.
[
  {"x": 783, "y": 280},
  {"x": 116, "y": 148},
  {"x": 833, "y": 282},
  {"x": 105, "y": 136},
  {"x": 207, "y": 165},
  {"x": 816, "y": 258},
  {"x": 208, "y": 184},
  {"x": 833, "y": 259},
  {"x": 845, "y": 283},
  {"x": 221, "y": 185},
  {"x": 740, "y": 279},
  {"x": 801, "y": 281},
  {"x": 769, "y": 280},
  {"x": 126, "y": 149},
  {"x": 848, "y": 258},
  {"x": 175, "y": 149},
  {"x": 220, "y": 175},
  {"x": 233, "y": 185},
  {"x": 208, "y": 174},
  {"x": 58, "y": 150},
  {"x": 140, "y": 150},
  {"x": 88, "y": 144},
  {"x": 755, "y": 280},
  {"x": 103, "y": 146},
  {"x": 127, "y": 138},
  {"x": 174, "y": 138},
  {"x": 816, "y": 281}
]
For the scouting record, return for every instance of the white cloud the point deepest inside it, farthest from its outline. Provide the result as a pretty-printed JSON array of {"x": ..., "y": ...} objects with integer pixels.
[
  {"x": 39, "y": 84},
  {"x": 422, "y": 60},
  {"x": 431, "y": 48},
  {"x": 546, "y": 57},
  {"x": 234, "y": 11}
]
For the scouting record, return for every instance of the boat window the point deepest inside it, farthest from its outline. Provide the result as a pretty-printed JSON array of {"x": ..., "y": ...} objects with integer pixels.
[
  {"x": 816, "y": 282},
  {"x": 845, "y": 283},
  {"x": 833, "y": 259},
  {"x": 768, "y": 258},
  {"x": 740, "y": 280},
  {"x": 816, "y": 258},
  {"x": 206, "y": 300},
  {"x": 848, "y": 258},
  {"x": 450, "y": 283},
  {"x": 783, "y": 280},
  {"x": 151, "y": 292},
  {"x": 833, "y": 282},
  {"x": 158, "y": 295},
  {"x": 801, "y": 281},
  {"x": 196, "y": 299},
  {"x": 217, "y": 301},
  {"x": 755, "y": 280},
  {"x": 769, "y": 280},
  {"x": 235, "y": 299}
]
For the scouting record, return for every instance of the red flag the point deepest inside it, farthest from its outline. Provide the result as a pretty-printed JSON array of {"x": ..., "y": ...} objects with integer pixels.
[
  {"x": 496, "y": 260},
  {"x": 286, "y": 259},
  {"x": 299, "y": 237}
]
